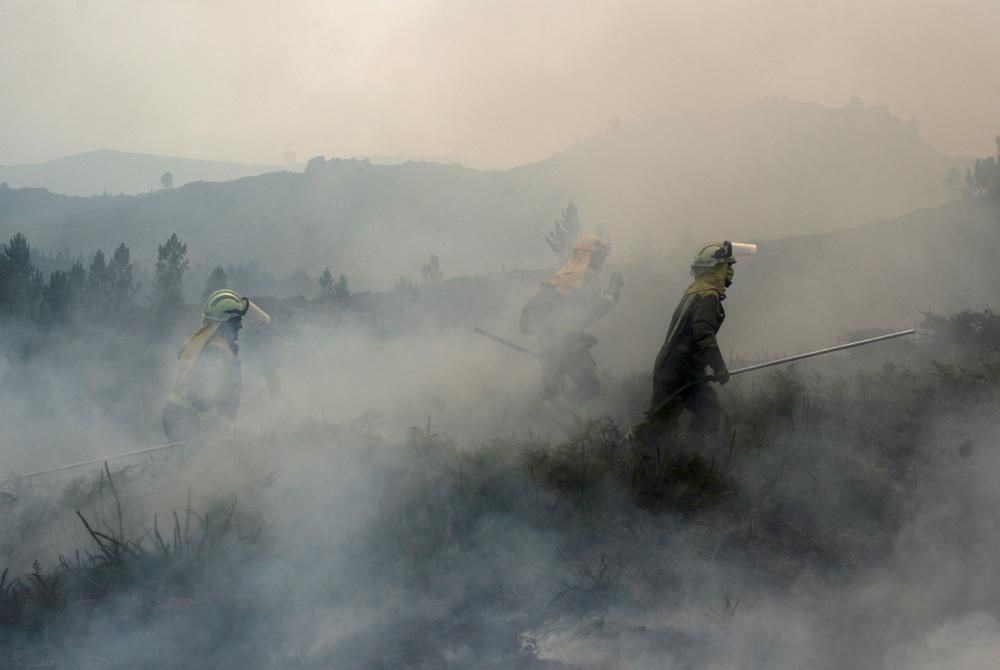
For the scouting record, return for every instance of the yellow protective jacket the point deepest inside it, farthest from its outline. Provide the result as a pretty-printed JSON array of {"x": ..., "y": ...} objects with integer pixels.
[
  {"x": 584, "y": 300},
  {"x": 209, "y": 376}
]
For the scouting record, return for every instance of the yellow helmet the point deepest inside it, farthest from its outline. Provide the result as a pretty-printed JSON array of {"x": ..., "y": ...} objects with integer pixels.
[{"x": 227, "y": 304}]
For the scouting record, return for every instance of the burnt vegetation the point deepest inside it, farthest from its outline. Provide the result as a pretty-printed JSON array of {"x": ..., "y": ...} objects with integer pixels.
[
  {"x": 812, "y": 478},
  {"x": 332, "y": 545}
]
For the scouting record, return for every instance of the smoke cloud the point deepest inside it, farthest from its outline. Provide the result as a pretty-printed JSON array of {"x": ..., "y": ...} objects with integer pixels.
[{"x": 493, "y": 84}]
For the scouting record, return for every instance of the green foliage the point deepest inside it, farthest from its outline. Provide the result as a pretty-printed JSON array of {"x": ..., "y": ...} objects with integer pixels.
[
  {"x": 122, "y": 285},
  {"x": 341, "y": 291},
  {"x": 63, "y": 293},
  {"x": 105, "y": 289},
  {"x": 972, "y": 332},
  {"x": 171, "y": 265},
  {"x": 580, "y": 466},
  {"x": 50, "y": 610},
  {"x": 20, "y": 284},
  {"x": 333, "y": 289},
  {"x": 404, "y": 285},
  {"x": 326, "y": 283},
  {"x": 431, "y": 270},
  {"x": 565, "y": 233},
  {"x": 983, "y": 178},
  {"x": 216, "y": 282},
  {"x": 98, "y": 283}
]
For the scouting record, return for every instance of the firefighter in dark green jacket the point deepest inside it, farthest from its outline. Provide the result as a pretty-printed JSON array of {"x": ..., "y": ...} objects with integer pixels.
[{"x": 690, "y": 347}]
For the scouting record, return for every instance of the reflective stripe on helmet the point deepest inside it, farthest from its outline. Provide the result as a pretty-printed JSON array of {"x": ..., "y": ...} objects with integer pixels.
[{"x": 225, "y": 304}]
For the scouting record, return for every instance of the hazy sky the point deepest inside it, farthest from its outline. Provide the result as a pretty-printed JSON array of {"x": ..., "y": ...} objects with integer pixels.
[{"x": 496, "y": 83}]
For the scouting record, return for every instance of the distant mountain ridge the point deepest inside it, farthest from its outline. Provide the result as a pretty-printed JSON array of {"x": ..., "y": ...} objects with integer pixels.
[
  {"x": 774, "y": 169},
  {"x": 812, "y": 290},
  {"x": 118, "y": 172}
]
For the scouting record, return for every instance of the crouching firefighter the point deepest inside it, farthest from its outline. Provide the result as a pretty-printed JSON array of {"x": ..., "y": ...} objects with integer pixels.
[
  {"x": 566, "y": 305},
  {"x": 679, "y": 379},
  {"x": 206, "y": 395}
]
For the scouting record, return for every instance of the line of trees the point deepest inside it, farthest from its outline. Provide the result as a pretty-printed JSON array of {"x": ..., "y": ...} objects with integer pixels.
[
  {"x": 330, "y": 288},
  {"x": 983, "y": 178},
  {"x": 105, "y": 288}
]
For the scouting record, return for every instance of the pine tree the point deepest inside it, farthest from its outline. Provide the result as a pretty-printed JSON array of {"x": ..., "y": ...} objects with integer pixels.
[
  {"x": 20, "y": 284},
  {"x": 341, "y": 291},
  {"x": 216, "y": 282},
  {"x": 64, "y": 292},
  {"x": 983, "y": 178},
  {"x": 121, "y": 283},
  {"x": 431, "y": 270},
  {"x": 98, "y": 295},
  {"x": 168, "y": 283},
  {"x": 565, "y": 232},
  {"x": 326, "y": 283}
]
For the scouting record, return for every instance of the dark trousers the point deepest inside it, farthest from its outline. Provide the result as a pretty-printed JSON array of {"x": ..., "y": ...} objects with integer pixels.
[
  {"x": 181, "y": 423},
  {"x": 569, "y": 358},
  {"x": 699, "y": 399}
]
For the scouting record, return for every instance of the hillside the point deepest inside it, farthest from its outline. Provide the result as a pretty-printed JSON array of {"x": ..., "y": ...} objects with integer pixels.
[
  {"x": 881, "y": 275},
  {"x": 117, "y": 172},
  {"x": 774, "y": 169},
  {"x": 809, "y": 291}
]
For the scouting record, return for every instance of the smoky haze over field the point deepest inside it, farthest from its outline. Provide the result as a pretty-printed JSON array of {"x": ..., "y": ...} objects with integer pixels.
[
  {"x": 365, "y": 559},
  {"x": 394, "y": 494},
  {"x": 772, "y": 169}
]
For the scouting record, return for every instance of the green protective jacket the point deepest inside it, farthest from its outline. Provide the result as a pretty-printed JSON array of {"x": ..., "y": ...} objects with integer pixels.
[{"x": 690, "y": 345}]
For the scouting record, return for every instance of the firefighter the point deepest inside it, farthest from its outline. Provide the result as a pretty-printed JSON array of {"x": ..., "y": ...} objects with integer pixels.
[
  {"x": 206, "y": 395},
  {"x": 559, "y": 314},
  {"x": 679, "y": 379}
]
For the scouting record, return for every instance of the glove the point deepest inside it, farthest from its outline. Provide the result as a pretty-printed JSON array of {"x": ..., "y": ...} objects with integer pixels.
[{"x": 720, "y": 373}]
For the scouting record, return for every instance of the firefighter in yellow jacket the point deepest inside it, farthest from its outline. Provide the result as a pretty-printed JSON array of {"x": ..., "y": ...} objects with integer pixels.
[
  {"x": 206, "y": 395},
  {"x": 568, "y": 303}
]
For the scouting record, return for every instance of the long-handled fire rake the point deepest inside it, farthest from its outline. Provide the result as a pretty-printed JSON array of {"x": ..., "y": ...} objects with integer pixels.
[
  {"x": 93, "y": 461},
  {"x": 820, "y": 352},
  {"x": 506, "y": 343},
  {"x": 651, "y": 414},
  {"x": 750, "y": 368}
]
